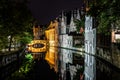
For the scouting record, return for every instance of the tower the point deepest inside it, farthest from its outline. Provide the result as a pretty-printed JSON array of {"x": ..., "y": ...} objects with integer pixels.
[
  {"x": 78, "y": 17},
  {"x": 90, "y": 48},
  {"x": 72, "y": 24},
  {"x": 63, "y": 24}
]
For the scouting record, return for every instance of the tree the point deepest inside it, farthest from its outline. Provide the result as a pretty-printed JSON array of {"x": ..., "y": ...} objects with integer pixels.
[
  {"x": 106, "y": 12},
  {"x": 15, "y": 18},
  {"x": 80, "y": 24}
]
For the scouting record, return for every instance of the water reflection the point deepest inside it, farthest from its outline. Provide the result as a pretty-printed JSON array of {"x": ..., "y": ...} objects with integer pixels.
[
  {"x": 67, "y": 63},
  {"x": 90, "y": 67},
  {"x": 106, "y": 71},
  {"x": 71, "y": 65},
  {"x": 98, "y": 69},
  {"x": 52, "y": 57}
]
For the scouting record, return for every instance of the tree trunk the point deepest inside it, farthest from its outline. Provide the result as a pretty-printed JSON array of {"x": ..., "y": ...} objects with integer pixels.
[{"x": 10, "y": 42}]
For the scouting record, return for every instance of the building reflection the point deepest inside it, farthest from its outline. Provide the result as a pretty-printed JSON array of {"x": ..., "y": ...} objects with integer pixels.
[
  {"x": 52, "y": 57},
  {"x": 70, "y": 64},
  {"x": 105, "y": 70}
]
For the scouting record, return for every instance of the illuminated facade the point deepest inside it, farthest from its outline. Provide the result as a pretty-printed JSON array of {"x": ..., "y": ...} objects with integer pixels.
[
  {"x": 52, "y": 33},
  {"x": 68, "y": 29},
  {"x": 72, "y": 25},
  {"x": 63, "y": 25},
  {"x": 74, "y": 15},
  {"x": 52, "y": 38},
  {"x": 90, "y": 49},
  {"x": 37, "y": 32},
  {"x": 66, "y": 41},
  {"x": 37, "y": 46}
]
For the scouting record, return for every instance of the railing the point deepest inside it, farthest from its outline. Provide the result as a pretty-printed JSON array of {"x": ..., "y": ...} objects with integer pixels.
[{"x": 9, "y": 63}]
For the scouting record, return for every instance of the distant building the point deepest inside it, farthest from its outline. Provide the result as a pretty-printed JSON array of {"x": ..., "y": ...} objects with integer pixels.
[{"x": 38, "y": 32}]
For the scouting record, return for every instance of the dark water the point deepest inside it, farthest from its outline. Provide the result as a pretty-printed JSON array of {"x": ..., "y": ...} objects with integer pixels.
[
  {"x": 106, "y": 71},
  {"x": 42, "y": 70}
]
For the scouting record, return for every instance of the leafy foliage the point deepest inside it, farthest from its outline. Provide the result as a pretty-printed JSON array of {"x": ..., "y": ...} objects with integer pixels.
[
  {"x": 25, "y": 38},
  {"x": 79, "y": 24},
  {"x": 15, "y": 19},
  {"x": 26, "y": 66},
  {"x": 78, "y": 73},
  {"x": 106, "y": 12}
]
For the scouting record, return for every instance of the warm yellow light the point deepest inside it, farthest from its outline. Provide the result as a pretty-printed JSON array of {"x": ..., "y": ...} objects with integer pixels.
[{"x": 43, "y": 49}]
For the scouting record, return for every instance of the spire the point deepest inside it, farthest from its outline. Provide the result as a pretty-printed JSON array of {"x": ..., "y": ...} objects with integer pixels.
[
  {"x": 72, "y": 24},
  {"x": 63, "y": 24},
  {"x": 71, "y": 21},
  {"x": 62, "y": 17},
  {"x": 63, "y": 20},
  {"x": 78, "y": 15}
]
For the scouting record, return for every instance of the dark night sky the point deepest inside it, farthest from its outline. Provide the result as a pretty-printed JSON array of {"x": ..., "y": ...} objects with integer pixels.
[{"x": 47, "y": 10}]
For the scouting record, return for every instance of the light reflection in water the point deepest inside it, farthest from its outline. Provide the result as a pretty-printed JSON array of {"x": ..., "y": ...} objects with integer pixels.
[
  {"x": 65, "y": 61},
  {"x": 68, "y": 63},
  {"x": 52, "y": 57},
  {"x": 100, "y": 70}
]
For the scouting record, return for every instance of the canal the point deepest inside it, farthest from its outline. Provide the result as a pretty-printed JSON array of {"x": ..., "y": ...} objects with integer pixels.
[{"x": 60, "y": 64}]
